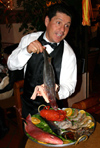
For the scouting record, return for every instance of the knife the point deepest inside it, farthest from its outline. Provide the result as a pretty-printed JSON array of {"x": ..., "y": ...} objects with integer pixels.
[{"x": 53, "y": 126}]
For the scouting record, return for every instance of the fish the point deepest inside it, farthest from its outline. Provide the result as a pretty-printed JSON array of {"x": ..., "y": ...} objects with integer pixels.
[
  {"x": 39, "y": 134},
  {"x": 49, "y": 80},
  {"x": 53, "y": 126}
]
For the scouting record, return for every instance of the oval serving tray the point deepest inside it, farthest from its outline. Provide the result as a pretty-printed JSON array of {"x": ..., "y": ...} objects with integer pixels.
[{"x": 82, "y": 138}]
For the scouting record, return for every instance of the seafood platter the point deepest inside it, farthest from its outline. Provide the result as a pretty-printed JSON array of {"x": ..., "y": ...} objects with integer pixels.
[{"x": 59, "y": 128}]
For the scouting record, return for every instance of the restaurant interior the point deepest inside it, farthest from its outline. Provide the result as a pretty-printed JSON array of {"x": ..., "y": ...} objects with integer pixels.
[{"x": 85, "y": 41}]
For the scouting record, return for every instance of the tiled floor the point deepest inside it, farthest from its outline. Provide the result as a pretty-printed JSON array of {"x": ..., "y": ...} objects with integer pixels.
[{"x": 13, "y": 138}]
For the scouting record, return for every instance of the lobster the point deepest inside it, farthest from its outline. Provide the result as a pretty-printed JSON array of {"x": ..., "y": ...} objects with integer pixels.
[{"x": 53, "y": 115}]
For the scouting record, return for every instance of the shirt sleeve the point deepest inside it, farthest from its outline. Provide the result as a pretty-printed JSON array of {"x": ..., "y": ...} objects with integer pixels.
[
  {"x": 19, "y": 57},
  {"x": 68, "y": 75}
]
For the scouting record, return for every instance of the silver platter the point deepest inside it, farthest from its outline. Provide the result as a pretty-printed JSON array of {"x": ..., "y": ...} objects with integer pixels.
[{"x": 82, "y": 138}]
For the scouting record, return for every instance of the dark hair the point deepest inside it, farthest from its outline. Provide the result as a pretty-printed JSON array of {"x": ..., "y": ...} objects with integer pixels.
[
  {"x": 8, "y": 50},
  {"x": 58, "y": 7}
]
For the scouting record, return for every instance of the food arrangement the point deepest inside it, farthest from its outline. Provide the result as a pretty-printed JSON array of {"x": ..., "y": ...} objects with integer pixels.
[{"x": 73, "y": 124}]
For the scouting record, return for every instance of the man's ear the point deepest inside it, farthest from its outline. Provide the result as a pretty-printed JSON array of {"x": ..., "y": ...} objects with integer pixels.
[{"x": 46, "y": 21}]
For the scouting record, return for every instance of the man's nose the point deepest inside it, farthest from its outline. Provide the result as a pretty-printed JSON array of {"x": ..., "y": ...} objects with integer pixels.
[{"x": 63, "y": 28}]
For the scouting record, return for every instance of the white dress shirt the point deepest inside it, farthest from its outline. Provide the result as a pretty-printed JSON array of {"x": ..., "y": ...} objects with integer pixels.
[{"x": 68, "y": 75}]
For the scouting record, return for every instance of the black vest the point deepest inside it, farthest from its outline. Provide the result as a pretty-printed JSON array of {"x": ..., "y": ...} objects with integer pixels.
[{"x": 34, "y": 72}]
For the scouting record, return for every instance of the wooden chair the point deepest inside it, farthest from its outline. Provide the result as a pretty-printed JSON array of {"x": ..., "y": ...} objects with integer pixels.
[
  {"x": 91, "y": 104},
  {"x": 5, "y": 104},
  {"x": 18, "y": 91}
]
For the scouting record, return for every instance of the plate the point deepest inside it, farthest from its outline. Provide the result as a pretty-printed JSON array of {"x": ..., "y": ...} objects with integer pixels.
[{"x": 82, "y": 138}]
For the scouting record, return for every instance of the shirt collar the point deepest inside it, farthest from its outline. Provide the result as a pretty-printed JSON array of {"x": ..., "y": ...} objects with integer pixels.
[{"x": 44, "y": 37}]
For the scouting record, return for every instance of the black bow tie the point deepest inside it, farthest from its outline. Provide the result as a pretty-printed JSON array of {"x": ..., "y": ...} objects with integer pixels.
[{"x": 53, "y": 45}]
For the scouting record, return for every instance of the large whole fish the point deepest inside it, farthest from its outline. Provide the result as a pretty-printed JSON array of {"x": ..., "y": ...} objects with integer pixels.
[
  {"x": 49, "y": 80},
  {"x": 39, "y": 134}
]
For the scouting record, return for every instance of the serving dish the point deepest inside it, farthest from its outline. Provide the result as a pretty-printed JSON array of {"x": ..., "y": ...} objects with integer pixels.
[{"x": 69, "y": 142}]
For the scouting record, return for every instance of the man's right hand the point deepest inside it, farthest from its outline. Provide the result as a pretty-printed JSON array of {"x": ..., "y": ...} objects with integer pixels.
[{"x": 35, "y": 47}]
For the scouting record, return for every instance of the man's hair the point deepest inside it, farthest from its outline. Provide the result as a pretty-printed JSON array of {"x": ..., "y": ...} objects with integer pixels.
[{"x": 59, "y": 7}]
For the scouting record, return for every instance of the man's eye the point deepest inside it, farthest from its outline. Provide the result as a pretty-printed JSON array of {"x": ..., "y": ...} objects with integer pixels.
[
  {"x": 58, "y": 22},
  {"x": 67, "y": 25}
]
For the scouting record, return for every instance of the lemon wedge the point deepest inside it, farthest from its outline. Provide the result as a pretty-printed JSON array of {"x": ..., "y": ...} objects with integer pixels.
[
  {"x": 89, "y": 117},
  {"x": 68, "y": 111},
  {"x": 42, "y": 142},
  {"x": 91, "y": 124},
  {"x": 82, "y": 112},
  {"x": 66, "y": 142},
  {"x": 35, "y": 120}
]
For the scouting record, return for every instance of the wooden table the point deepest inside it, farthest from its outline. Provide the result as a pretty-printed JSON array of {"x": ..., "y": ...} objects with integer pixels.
[{"x": 92, "y": 142}]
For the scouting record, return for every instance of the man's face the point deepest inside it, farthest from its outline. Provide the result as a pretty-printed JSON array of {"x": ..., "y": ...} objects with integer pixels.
[{"x": 57, "y": 28}]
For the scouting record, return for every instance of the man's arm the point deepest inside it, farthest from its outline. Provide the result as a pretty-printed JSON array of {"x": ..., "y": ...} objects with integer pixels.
[{"x": 28, "y": 45}]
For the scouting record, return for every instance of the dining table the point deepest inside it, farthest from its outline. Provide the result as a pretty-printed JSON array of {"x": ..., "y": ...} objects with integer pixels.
[{"x": 93, "y": 141}]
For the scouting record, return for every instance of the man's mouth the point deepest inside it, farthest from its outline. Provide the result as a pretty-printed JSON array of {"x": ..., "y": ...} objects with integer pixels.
[{"x": 59, "y": 34}]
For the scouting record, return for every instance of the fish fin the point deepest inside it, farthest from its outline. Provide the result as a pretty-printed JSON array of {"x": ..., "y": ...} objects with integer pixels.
[
  {"x": 28, "y": 117},
  {"x": 33, "y": 97}
]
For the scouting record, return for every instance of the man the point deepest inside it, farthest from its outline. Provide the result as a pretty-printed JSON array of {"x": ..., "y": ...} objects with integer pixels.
[{"x": 29, "y": 55}]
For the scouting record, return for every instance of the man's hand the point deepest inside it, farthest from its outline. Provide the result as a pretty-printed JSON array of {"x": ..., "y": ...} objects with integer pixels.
[
  {"x": 35, "y": 47},
  {"x": 40, "y": 91}
]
